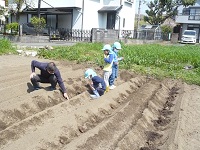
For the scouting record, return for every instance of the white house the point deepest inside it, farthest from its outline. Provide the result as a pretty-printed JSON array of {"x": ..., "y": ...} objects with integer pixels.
[
  {"x": 189, "y": 18},
  {"x": 83, "y": 14}
]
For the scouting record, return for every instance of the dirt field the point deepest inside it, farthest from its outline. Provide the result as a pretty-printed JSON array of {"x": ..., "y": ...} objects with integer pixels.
[{"x": 140, "y": 114}]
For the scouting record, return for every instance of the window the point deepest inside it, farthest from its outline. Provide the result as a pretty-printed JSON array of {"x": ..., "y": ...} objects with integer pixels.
[{"x": 186, "y": 11}]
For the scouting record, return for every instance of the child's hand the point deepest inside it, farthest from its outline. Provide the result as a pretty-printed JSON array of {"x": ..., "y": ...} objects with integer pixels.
[
  {"x": 121, "y": 58},
  {"x": 90, "y": 82},
  {"x": 116, "y": 63}
]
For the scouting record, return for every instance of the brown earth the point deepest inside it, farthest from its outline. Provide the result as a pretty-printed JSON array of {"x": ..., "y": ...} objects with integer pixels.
[{"x": 141, "y": 113}]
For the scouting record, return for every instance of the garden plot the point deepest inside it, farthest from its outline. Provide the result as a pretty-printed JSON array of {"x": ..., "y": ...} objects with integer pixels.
[{"x": 141, "y": 113}]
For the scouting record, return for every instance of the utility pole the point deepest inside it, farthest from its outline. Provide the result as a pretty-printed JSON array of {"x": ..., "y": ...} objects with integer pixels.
[
  {"x": 138, "y": 16},
  {"x": 138, "y": 19},
  {"x": 82, "y": 12},
  {"x": 39, "y": 4}
]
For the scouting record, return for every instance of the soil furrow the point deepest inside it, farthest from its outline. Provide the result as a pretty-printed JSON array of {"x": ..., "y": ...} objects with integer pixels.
[
  {"x": 146, "y": 134},
  {"x": 110, "y": 131},
  {"x": 57, "y": 115}
]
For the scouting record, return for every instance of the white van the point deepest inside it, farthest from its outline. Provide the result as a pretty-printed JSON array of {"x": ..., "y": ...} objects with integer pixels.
[{"x": 189, "y": 36}]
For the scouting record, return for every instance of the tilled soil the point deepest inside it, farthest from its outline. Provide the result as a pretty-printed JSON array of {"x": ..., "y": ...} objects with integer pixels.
[{"x": 141, "y": 113}]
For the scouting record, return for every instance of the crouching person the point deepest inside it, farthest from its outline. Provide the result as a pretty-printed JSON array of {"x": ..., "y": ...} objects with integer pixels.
[
  {"x": 49, "y": 74},
  {"x": 97, "y": 84}
]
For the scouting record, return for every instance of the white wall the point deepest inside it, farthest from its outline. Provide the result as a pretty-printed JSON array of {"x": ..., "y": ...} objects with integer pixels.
[
  {"x": 77, "y": 19},
  {"x": 91, "y": 16},
  {"x": 59, "y": 3},
  {"x": 111, "y": 2},
  {"x": 127, "y": 13},
  {"x": 93, "y": 19},
  {"x": 102, "y": 20},
  {"x": 2, "y": 3}
]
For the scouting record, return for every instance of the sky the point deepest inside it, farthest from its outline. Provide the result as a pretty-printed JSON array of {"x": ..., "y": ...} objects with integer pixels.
[{"x": 143, "y": 6}]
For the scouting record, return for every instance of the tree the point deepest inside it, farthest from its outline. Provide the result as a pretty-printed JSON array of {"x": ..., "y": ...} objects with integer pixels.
[
  {"x": 160, "y": 10},
  {"x": 17, "y": 7},
  {"x": 38, "y": 23},
  {"x": 3, "y": 13}
]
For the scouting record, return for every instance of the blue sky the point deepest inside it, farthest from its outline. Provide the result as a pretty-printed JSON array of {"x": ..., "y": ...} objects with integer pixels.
[{"x": 143, "y": 6}]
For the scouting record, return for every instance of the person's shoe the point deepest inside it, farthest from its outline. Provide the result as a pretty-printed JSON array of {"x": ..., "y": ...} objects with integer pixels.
[
  {"x": 94, "y": 96},
  {"x": 112, "y": 87},
  {"x": 37, "y": 88},
  {"x": 52, "y": 88},
  {"x": 107, "y": 89}
]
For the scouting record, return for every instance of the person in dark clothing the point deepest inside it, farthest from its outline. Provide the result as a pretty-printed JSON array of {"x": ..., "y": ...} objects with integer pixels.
[
  {"x": 49, "y": 74},
  {"x": 97, "y": 84}
]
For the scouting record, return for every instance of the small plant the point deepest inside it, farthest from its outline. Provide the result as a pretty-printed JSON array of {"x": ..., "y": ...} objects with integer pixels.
[
  {"x": 13, "y": 27},
  {"x": 38, "y": 23},
  {"x": 6, "y": 47}
]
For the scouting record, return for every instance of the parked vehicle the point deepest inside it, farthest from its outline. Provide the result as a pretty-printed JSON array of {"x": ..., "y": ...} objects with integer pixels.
[
  {"x": 189, "y": 36},
  {"x": 28, "y": 29}
]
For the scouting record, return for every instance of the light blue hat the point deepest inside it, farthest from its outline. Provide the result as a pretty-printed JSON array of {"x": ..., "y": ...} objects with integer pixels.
[
  {"x": 90, "y": 72},
  {"x": 117, "y": 45},
  {"x": 107, "y": 47}
]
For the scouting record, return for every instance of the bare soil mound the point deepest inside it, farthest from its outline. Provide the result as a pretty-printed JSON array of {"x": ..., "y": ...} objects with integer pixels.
[{"x": 139, "y": 114}]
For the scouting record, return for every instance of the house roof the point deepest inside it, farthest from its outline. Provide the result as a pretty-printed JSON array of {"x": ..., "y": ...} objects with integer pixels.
[
  {"x": 149, "y": 27},
  {"x": 60, "y": 10},
  {"x": 106, "y": 9}
]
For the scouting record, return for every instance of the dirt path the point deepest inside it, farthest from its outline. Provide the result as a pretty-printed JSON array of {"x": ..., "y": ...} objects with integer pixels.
[{"x": 140, "y": 114}]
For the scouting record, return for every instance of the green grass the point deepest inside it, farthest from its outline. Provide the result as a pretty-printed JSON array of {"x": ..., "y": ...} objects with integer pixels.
[
  {"x": 81, "y": 52},
  {"x": 153, "y": 59},
  {"x": 164, "y": 61},
  {"x": 6, "y": 47}
]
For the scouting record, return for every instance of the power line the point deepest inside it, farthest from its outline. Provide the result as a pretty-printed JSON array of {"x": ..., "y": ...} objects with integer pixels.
[{"x": 47, "y": 3}]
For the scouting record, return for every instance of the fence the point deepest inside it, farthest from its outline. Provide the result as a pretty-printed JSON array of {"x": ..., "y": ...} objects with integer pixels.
[
  {"x": 97, "y": 34},
  {"x": 2, "y": 28},
  {"x": 70, "y": 34},
  {"x": 145, "y": 35},
  {"x": 105, "y": 35}
]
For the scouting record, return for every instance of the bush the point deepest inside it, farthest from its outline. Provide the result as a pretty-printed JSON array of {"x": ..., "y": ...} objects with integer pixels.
[
  {"x": 38, "y": 23},
  {"x": 166, "y": 29},
  {"x": 14, "y": 27}
]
